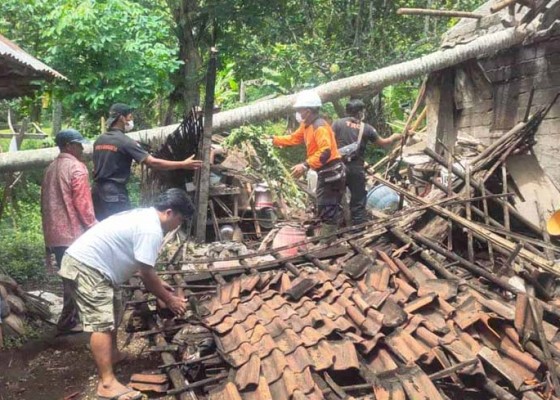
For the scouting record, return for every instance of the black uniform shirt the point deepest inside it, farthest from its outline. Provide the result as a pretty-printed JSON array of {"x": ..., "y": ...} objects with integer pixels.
[
  {"x": 113, "y": 153},
  {"x": 346, "y": 131}
]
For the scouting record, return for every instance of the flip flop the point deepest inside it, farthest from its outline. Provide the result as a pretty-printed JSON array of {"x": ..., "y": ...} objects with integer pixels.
[{"x": 138, "y": 396}]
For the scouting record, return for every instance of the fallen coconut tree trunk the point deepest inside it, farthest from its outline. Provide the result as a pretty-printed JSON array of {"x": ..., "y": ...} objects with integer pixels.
[{"x": 260, "y": 111}]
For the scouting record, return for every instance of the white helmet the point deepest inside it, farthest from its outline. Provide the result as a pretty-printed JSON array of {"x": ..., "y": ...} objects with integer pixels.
[{"x": 308, "y": 99}]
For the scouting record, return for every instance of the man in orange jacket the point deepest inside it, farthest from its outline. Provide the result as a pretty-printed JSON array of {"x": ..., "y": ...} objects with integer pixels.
[{"x": 322, "y": 156}]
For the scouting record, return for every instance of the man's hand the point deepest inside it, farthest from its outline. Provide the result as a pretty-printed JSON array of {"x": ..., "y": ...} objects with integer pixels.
[
  {"x": 397, "y": 137},
  {"x": 298, "y": 170},
  {"x": 177, "y": 305},
  {"x": 167, "y": 286},
  {"x": 191, "y": 163}
]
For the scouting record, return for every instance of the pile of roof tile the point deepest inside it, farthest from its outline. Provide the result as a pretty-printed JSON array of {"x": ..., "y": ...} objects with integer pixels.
[
  {"x": 380, "y": 330},
  {"x": 394, "y": 311}
]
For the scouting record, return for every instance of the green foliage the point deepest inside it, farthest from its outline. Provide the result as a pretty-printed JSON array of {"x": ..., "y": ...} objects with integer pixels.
[
  {"x": 266, "y": 162},
  {"x": 110, "y": 50},
  {"x": 226, "y": 91},
  {"x": 22, "y": 252}
]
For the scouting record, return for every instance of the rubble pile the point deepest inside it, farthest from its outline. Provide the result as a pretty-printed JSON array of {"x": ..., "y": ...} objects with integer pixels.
[
  {"x": 15, "y": 306},
  {"x": 454, "y": 295}
]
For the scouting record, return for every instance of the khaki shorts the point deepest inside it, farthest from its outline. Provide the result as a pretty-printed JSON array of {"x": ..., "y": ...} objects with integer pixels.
[{"x": 99, "y": 303}]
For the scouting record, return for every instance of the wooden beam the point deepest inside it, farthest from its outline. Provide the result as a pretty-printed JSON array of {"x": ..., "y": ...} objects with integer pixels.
[
  {"x": 476, "y": 229},
  {"x": 439, "y": 13},
  {"x": 26, "y": 136},
  {"x": 440, "y": 112},
  {"x": 204, "y": 175},
  {"x": 501, "y": 5}
]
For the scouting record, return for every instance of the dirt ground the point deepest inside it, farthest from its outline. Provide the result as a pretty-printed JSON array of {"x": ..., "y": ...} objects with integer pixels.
[{"x": 61, "y": 368}]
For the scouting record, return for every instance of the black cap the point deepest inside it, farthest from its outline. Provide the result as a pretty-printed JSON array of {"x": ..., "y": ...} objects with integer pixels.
[
  {"x": 69, "y": 136},
  {"x": 116, "y": 111}
]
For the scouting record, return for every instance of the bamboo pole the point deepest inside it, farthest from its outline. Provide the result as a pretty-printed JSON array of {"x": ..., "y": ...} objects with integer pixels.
[
  {"x": 439, "y": 13},
  {"x": 504, "y": 206},
  {"x": 477, "y": 229},
  {"x": 449, "y": 193},
  {"x": 477, "y": 185},
  {"x": 501, "y": 5},
  {"x": 203, "y": 191},
  {"x": 470, "y": 247}
]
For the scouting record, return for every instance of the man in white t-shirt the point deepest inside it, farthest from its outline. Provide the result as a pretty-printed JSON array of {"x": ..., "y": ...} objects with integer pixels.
[{"x": 105, "y": 257}]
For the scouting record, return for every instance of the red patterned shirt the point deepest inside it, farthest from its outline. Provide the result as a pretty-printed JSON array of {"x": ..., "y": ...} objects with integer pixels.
[{"x": 66, "y": 204}]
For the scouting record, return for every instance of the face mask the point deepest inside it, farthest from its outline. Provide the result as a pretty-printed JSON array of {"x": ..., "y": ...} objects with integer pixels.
[
  {"x": 129, "y": 126},
  {"x": 299, "y": 118}
]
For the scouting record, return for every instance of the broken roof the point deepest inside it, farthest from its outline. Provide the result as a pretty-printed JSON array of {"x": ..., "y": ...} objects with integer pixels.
[
  {"x": 19, "y": 69},
  {"x": 374, "y": 313},
  {"x": 385, "y": 328},
  {"x": 468, "y": 29}
]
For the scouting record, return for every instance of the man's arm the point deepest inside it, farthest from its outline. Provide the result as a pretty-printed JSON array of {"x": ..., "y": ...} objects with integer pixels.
[
  {"x": 161, "y": 164},
  {"x": 289, "y": 140},
  {"x": 384, "y": 142},
  {"x": 81, "y": 198},
  {"x": 155, "y": 285}
]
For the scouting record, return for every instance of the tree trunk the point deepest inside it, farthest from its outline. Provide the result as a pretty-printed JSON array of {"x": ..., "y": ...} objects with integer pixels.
[
  {"x": 187, "y": 83},
  {"x": 278, "y": 107},
  {"x": 56, "y": 116}
]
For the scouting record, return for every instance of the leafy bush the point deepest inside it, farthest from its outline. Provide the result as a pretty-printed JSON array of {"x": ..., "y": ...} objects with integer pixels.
[
  {"x": 22, "y": 256},
  {"x": 22, "y": 251}
]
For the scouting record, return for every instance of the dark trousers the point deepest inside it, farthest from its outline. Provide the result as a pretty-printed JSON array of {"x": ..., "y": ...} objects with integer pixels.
[
  {"x": 329, "y": 200},
  {"x": 69, "y": 317},
  {"x": 356, "y": 182},
  {"x": 104, "y": 209}
]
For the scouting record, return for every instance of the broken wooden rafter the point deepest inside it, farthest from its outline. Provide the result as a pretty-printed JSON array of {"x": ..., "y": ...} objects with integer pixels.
[
  {"x": 174, "y": 373},
  {"x": 439, "y": 13},
  {"x": 544, "y": 344},
  {"x": 500, "y": 5},
  {"x": 476, "y": 229},
  {"x": 478, "y": 185}
]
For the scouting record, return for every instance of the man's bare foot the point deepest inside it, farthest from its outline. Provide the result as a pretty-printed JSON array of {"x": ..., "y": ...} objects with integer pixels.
[{"x": 116, "y": 390}]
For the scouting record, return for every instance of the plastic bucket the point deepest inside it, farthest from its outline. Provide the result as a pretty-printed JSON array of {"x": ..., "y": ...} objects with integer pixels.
[{"x": 289, "y": 235}]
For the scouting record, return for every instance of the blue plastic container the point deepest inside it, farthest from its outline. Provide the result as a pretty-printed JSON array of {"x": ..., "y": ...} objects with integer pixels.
[{"x": 382, "y": 198}]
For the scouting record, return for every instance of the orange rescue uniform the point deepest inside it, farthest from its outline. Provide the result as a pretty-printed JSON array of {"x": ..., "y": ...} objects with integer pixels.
[{"x": 319, "y": 141}]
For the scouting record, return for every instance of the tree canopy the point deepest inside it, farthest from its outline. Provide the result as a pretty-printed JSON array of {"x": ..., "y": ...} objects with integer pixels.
[{"x": 151, "y": 54}]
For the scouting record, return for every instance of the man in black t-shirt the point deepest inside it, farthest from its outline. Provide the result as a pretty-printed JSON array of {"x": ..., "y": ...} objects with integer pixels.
[
  {"x": 346, "y": 132},
  {"x": 113, "y": 153}
]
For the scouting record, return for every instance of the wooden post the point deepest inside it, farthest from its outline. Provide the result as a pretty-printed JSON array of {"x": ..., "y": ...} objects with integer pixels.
[
  {"x": 470, "y": 247},
  {"x": 487, "y": 222},
  {"x": 439, "y": 13},
  {"x": 439, "y": 104},
  {"x": 547, "y": 250},
  {"x": 501, "y": 5},
  {"x": 204, "y": 177},
  {"x": 449, "y": 194},
  {"x": 504, "y": 206}
]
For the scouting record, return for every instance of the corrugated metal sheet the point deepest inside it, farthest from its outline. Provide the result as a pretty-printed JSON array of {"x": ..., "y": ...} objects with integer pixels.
[{"x": 11, "y": 50}]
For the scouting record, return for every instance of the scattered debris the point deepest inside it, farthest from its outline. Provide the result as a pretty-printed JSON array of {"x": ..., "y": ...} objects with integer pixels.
[{"x": 15, "y": 306}]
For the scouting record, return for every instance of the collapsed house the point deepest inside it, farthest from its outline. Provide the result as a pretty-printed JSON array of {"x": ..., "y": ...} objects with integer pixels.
[
  {"x": 456, "y": 294},
  {"x": 485, "y": 97},
  {"x": 388, "y": 312}
]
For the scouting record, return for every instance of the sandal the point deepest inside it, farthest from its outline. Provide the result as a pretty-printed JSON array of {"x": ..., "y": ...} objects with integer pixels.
[{"x": 137, "y": 396}]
